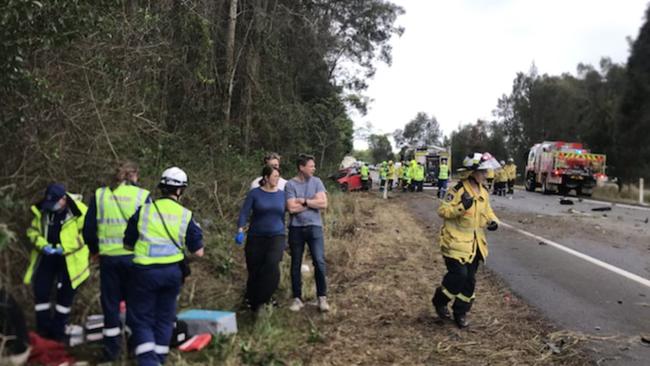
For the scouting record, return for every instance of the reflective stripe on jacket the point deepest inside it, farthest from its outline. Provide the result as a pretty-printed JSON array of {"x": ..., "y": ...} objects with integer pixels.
[
  {"x": 114, "y": 208},
  {"x": 444, "y": 172},
  {"x": 364, "y": 173},
  {"x": 462, "y": 232},
  {"x": 154, "y": 245},
  {"x": 71, "y": 240}
]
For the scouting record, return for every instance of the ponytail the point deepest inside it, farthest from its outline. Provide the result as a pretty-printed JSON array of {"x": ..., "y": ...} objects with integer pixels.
[{"x": 266, "y": 172}]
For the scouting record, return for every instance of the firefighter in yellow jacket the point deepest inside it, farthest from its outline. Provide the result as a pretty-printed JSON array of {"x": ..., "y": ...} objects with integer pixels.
[
  {"x": 59, "y": 258},
  {"x": 500, "y": 180},
  {"x": 466, "y": 212}
]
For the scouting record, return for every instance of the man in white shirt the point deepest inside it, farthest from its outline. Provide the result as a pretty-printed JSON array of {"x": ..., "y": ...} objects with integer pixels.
[{"x": 272, "y": 160}]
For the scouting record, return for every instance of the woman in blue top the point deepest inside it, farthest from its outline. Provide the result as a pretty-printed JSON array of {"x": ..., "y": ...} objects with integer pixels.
[{"x": 265, "y": 206}]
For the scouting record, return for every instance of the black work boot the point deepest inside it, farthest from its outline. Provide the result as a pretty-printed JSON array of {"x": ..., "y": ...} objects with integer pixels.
[
  {"x": 461, "y": 321},
  {"x": 439, "y": 302},
  {"x": 442, "y": 311}
]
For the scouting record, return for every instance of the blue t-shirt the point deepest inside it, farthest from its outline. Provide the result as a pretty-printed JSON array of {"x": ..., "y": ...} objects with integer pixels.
[
  {"x": 305, "y": 189},
  {"x": 267, "y": 216}
]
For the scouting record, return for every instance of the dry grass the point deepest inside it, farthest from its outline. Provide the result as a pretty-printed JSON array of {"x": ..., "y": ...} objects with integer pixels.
[
  {"x": 629, "y": 193},
  {"x": 383, "y": 266},
  {"x": 383, "y": 278}
]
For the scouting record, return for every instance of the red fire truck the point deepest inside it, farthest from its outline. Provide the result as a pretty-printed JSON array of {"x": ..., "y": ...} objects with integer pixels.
[{"x": 558, "y": 166}]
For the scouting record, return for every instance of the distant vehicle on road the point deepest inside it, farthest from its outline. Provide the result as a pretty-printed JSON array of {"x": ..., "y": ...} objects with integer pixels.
[
  {"x": 349, "y": 179},
  {"x": 558, "y": 166},
  {"x": 430, "y": 158}
]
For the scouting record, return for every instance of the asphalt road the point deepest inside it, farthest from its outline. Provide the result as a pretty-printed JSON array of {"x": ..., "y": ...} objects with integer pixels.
[{"x": 607, "y": 305}]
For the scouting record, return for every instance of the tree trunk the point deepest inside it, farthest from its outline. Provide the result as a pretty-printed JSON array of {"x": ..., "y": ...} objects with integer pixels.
[{"x": 230, "y": 68}]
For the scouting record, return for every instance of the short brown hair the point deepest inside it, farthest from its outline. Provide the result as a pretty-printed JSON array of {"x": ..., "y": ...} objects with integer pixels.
[
  {"x": 271, "y": 156},
  {"x": 303, "y": 159}
]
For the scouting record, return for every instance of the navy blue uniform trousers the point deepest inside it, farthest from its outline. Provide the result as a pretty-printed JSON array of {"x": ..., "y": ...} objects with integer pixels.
[
  {"x": 115, "y": 272},
  {"x": 151, "y": 310},
  {"x": 51, "y": 270}
]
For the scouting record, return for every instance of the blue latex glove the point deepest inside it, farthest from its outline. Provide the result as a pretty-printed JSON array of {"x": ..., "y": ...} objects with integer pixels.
[
  {"x": 239, "y": 238},
  {"x": 50, "y": 250}
]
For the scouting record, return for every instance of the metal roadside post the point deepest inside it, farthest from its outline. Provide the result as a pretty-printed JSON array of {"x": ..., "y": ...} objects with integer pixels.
[
  {"x": 641, "y": 191},
  {"x": 386, "y": 190}
]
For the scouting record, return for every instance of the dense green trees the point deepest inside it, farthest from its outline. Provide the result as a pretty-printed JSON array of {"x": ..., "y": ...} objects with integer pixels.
[
  {"x": 380, "y": 148},
  {"x": 634, "y": 124},
  {"x": 423, "y": 130},
  {"x": 566, "y": 107},
  {"x": 588, "y": 108},
  {"x": 607, "y": 108},
  {"x": 204, "y": 84},
  {"x": 185, "y": 82}
]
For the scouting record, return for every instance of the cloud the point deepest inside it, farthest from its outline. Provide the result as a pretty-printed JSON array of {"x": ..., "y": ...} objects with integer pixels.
[{"x": 457, "y": 58}]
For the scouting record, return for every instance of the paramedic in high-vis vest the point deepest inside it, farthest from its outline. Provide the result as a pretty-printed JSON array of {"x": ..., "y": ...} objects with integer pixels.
[
  {"x": 443, "y": 177},
  {"x": 59, "y": 260},
  {"x": 466, "y": 212},
  {"x": 158, "y": 233},
  {"x": 108, "y": 214}
]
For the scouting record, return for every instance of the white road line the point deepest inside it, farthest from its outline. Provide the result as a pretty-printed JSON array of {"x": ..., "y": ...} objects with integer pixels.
[
  {"x": 631, "y": 276},
  {"x": 614, "y": 204}
]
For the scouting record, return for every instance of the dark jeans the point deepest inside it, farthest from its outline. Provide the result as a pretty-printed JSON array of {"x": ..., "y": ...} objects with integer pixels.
[
  {"x": 263, "y": 256},
  {"x": 418, "y": 185},
  {"x": 511, "y": 186},
  {"x": 52, "y": 271},
  {"x": 313, "y": 236},
  {"x": 12, "y": 323},
  {"x": 390, "y": 184},
  {"x": 442, "y": 187},
  {"x": 459, "y": 282}
]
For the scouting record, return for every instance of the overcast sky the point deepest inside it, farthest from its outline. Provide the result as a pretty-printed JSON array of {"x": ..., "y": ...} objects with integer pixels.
[{"x": 457, "y": 57}]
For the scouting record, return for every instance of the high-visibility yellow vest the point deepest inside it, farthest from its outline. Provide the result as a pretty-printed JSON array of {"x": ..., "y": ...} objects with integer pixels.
[
  {"x": 75, "y": 251},
  {"x": 391, "y": 171},
  {"x": 364, "y": 172},
  {"x": 154, "y": 245},
  {"x": 400, "y": 172},
  {"x": 114, "y": 208},
  {"x": 419, "y": 173},
  {"x": 490, "y": 174},
  {"x": 444, "y": 171}
]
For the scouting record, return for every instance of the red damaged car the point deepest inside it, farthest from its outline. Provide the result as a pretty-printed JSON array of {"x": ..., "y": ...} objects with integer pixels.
[{"x": 349, "y": 179}]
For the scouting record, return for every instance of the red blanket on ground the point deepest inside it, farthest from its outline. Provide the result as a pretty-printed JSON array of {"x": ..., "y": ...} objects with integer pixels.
[{"x": 47, "y": 352}]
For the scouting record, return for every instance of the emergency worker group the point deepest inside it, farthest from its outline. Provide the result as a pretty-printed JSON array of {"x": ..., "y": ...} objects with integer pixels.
[{"x": 141, "y": 244}]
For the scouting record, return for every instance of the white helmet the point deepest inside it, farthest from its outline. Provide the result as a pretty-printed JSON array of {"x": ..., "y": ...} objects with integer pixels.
[
  {"x": 173, "y": 177},
  {"x": 478, "y": 161}
]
